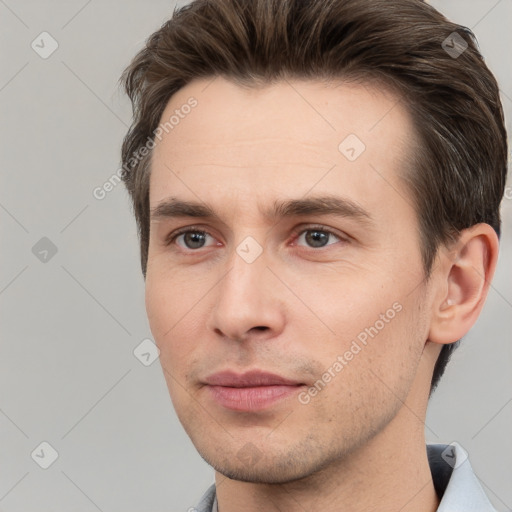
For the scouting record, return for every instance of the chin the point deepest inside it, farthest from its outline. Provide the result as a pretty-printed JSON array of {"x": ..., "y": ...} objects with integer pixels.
[
  {"x": 262, "y": 475},
  {"x": 251, "y": 465}
]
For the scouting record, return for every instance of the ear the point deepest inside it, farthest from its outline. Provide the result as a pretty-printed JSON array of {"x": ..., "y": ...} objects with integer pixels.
[{"x": 464, "y": 274}]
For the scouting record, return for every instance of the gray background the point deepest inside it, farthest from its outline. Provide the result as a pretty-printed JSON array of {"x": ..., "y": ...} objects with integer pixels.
[{"x": 68, "y": 375}]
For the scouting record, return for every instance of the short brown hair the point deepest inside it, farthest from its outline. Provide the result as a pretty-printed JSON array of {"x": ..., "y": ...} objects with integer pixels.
[{"x": 459, "y": 172}]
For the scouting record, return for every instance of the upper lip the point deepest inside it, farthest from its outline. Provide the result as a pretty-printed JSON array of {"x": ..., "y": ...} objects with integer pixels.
[{"x": 249, "y": 379}]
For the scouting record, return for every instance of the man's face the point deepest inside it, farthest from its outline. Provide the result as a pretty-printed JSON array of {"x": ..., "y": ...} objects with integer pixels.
[{"x": 334, "y": 303}]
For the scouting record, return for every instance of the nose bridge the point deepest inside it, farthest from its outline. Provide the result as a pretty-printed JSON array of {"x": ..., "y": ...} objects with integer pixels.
[
  {"x": 247, "y": 274},
  {"x": 244, "y": 299}
]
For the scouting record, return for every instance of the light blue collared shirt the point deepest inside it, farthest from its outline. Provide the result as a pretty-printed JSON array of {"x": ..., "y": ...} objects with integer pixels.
[{"x": 454, "y": 480}]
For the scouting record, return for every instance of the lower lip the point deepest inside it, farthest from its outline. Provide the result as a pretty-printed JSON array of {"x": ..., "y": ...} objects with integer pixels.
[{"x": 251, "y": 399}]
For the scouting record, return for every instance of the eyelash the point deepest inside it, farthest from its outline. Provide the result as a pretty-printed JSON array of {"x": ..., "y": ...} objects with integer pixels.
[{"x": 296, "y": 232}]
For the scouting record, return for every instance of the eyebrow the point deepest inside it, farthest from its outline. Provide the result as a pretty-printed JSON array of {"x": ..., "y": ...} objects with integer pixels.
[{"x": 321, "y": 205}]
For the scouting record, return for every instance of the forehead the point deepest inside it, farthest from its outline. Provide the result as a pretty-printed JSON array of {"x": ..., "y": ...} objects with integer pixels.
[{"x": 252, "y": 143}]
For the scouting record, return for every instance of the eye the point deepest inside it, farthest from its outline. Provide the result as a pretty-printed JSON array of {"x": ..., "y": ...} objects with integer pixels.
[
  {"x": 317, "y": 236},
  {"x": 191, "y": 238}
]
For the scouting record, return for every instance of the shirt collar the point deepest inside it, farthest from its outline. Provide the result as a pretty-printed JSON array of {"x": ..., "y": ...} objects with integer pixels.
[{"x": 454, "y": 480}]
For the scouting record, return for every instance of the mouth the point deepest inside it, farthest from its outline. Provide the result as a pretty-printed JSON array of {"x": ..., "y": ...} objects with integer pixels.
[{"x": 250, "y": 392}]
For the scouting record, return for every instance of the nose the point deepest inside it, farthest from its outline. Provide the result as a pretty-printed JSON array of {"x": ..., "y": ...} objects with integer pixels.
[{"x": 247, "y": 301}]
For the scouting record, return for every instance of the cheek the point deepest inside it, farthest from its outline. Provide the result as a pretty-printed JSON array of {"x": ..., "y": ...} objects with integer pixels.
[
  {"x": 374, "y": 376},
  {"x": 159, "y": 306},
  {"x": 393, "y": 350},
  {"x": 377, "y": 332},
  {"x": 171, "y": 297},
  {"x": 352, "y": 305},
  {"x": 168, "y": 312},
  {"x": 167, "y": 318}
]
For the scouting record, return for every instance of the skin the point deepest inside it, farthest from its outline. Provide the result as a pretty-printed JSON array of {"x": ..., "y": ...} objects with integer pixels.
[{"x": 359, "y": 443}]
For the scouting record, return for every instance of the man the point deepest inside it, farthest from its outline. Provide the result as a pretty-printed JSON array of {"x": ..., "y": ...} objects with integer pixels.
[{"x": 317, "y": 190}]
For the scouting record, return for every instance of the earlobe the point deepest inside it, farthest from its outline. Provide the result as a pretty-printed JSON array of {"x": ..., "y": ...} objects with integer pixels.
[{"x": 464, "y": 276}]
